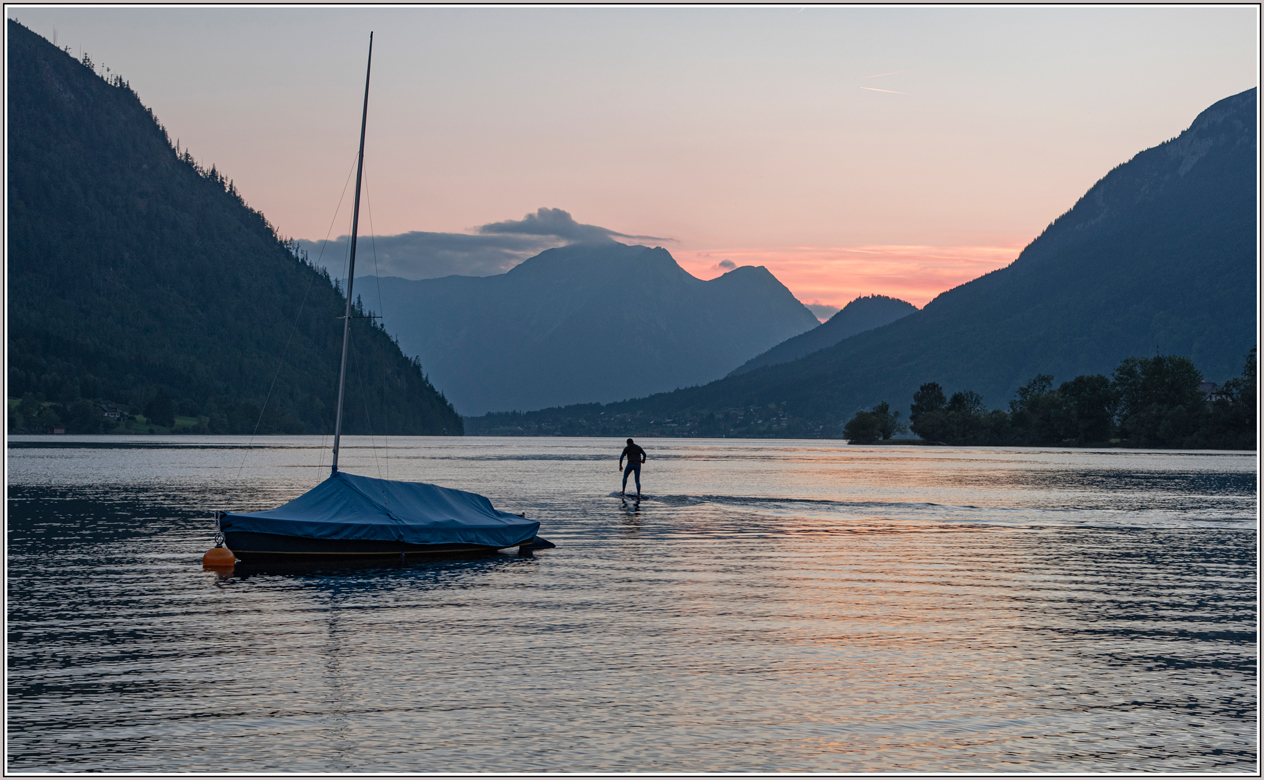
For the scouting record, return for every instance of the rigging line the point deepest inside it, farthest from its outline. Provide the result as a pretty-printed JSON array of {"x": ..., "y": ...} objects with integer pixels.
[
  {"x": 381, "y": 310},
  {"x": 341, "y": 198},
  {"x": 324, "y": 437},
  {"x": 288, "y": 341},
  {"x": 367, "y": 419},
  {"x": 275, "y": 374},
  {"x": 342, "y": 276},
  {"x": 346, "y": 260}
]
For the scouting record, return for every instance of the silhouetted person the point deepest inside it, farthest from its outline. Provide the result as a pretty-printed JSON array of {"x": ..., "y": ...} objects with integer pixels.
[{"x": 635, "y": 456}]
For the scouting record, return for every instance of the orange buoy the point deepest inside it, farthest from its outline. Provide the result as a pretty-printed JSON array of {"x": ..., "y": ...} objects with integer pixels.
[{"x": 219, "y": 557}]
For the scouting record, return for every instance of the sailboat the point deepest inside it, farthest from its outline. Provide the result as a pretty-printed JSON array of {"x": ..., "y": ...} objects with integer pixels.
[{"x": 349, "y": 516}]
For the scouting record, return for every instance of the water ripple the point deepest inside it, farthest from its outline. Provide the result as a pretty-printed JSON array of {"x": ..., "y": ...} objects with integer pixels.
[{"x": 773, "y": 607}]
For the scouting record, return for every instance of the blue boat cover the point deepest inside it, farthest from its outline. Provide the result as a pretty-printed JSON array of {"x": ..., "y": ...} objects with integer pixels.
[{"x": 347, "y": 506}]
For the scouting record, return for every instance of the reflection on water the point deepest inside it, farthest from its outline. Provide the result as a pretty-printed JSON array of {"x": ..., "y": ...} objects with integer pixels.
[{"x": 769, "y": 606}]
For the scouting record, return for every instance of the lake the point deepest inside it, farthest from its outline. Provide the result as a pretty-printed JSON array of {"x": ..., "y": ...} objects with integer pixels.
[{"x": 771, "y": 606}]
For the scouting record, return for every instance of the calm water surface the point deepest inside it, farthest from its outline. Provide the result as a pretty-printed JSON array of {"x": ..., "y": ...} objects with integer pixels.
[{"x": 771, "y": 606}]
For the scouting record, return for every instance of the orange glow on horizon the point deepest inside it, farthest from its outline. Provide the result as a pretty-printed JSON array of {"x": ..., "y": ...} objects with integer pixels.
[{"x": 838, "y": 275}]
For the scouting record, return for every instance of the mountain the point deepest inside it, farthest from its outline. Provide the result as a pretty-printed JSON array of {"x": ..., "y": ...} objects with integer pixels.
[
  {"x": 1159, "y": 256},
  {"x": 135, "y": 274},
  {"x": 583, "y": 323},
  {"x": 865, "y": 313}
]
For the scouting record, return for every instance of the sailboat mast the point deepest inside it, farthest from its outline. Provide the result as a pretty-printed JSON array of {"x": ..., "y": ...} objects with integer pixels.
[{"x": 355, "y": 222}]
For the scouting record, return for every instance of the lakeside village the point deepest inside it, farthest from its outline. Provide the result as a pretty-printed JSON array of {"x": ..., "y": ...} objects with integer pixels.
[
  {"x": 1148, "y": 402},
  {"x": 754, "y": 422},
  {"x": 34, "y": 414}
]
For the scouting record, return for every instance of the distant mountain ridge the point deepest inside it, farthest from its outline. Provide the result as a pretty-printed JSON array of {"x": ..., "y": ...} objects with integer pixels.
[
  {"x": 583, "y": 323},
  {"x": 132, "y": 271},
  {"x": 1158, "y": 257},
  {"x": 864, "y": 313}
]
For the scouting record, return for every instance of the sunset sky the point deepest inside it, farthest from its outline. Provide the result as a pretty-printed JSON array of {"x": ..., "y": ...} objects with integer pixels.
[{"x": 852, "y": 151}]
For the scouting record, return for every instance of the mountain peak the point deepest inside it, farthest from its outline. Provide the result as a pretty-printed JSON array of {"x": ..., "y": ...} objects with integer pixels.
[
  {"x": 1225, "y": 122},
  {"x": 1151, "y": 183},
  {"x": 589, "y": 254},
  {"x": 586, "y": 323},
  {"x": 862, "y": 314}
]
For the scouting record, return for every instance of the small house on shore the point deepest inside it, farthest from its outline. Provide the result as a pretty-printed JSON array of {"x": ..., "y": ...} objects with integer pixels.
[{"x": 1210, "y": 390}]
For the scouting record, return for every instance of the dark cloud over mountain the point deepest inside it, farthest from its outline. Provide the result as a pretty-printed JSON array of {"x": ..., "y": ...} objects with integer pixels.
[
  {"x": 490, "y": 249},
  {"x": 559, "y": 224},
  {"x": 423, "y": 255}
]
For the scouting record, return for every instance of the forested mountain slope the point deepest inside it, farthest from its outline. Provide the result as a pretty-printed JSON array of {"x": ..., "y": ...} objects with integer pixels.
[
  {"x": 133, "y": 273},
  {"x": 587, "y": 322},
  {"x": 1158, "y": 257},
  {"x": 864, "y": 313}
]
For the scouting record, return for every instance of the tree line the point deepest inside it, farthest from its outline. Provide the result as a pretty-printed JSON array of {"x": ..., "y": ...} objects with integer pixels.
[{"x": 1148, "y": 402}]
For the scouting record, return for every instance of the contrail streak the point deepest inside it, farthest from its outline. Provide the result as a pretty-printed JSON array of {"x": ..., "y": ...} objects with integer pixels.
[{"x": 892, "y": 91}]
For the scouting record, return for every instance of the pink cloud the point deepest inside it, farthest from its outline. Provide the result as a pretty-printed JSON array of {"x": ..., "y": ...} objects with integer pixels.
[{"x": 837, "y": 275}]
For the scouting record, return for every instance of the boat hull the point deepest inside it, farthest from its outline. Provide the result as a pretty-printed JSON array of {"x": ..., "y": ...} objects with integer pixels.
[{"x": 256, "y": 547}]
